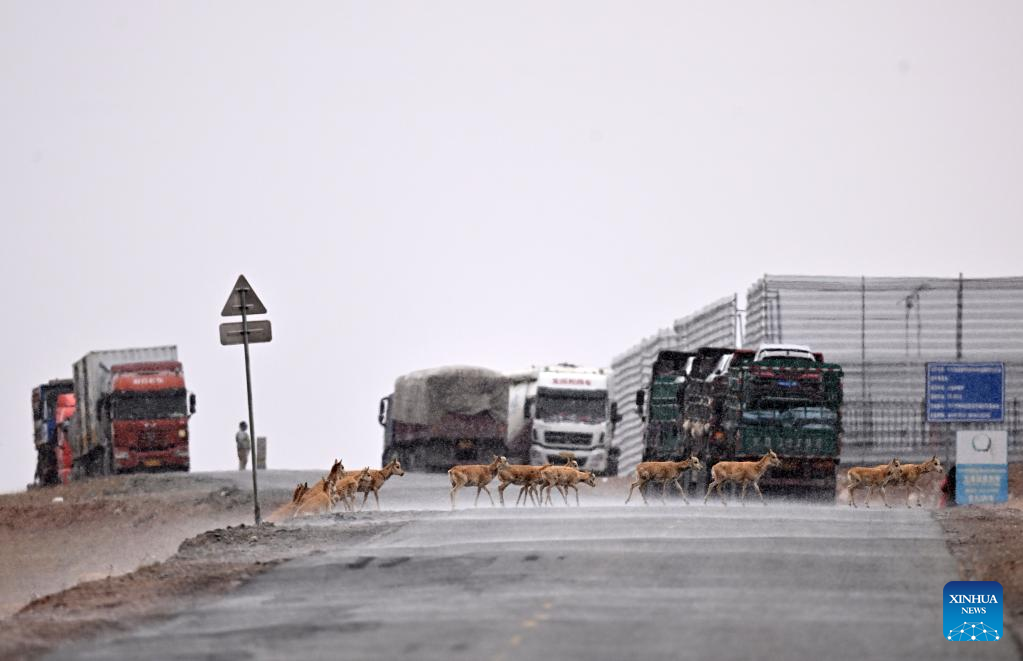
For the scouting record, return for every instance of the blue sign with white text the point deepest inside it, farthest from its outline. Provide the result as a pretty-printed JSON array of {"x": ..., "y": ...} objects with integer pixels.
[
  {"x": 972, "y": 611},
  {"x": 965, "y": 392}
]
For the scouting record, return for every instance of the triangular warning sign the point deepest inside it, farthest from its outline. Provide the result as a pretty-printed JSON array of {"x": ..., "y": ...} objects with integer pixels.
[{"x": 233, "y": 307}]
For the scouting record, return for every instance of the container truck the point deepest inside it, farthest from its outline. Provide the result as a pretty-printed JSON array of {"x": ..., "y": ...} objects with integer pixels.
[
  {"x": 441, "y": 417},
  {"x": 564, "y": 408},
  {"x": 132, "y": 412},
  {"x": 45, "y": 426}
]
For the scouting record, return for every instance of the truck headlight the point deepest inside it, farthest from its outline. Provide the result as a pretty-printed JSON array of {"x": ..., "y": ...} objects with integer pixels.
[{"x": 182, "y": 433}]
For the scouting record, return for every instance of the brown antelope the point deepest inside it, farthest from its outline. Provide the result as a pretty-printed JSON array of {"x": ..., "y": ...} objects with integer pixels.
[
  {"x": 377, "y": 479},
  {"x": 746, "y": 472},
  {"x": 527, "y": 478},
  {"x": 870, "y": 477},
  {"x": 475, "y": 475},
  {"x": 909, "y": 474},
  {"x": 345, "y": 487},
  {"x": 665, "y": 472},
  {"x": 564, "y": 478},
  {"x": 288, "y": 509},
  {"x": 316, "y": 501},
  {"x": 524, "y": 476}
]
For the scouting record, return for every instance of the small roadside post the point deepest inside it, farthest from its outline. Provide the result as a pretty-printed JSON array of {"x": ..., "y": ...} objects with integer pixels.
[{"x": 243, "y": 302}]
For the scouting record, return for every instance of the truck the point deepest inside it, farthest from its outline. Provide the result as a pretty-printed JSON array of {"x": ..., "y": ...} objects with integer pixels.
[
  {"x": 445, "y": 416},
  {"x": 563, "y": 408},
  {"x": 660, "y": 406},
  {"x": 45, "y": 427},
  {"x": 132, "y": 412},
  {"x": 65, "y": 460},
  {"x": 785, "y": 399}
]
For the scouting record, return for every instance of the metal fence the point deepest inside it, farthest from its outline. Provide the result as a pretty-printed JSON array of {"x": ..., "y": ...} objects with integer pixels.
[
  {"x": 877, "y": 431},
  {"x": 884, "y": 331}
]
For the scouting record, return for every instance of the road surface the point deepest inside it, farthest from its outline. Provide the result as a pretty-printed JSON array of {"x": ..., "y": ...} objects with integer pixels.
[{"x": 604, "y": 581}]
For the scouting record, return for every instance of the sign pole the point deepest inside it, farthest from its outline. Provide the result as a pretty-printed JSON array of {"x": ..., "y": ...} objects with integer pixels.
[{"x": 252, "y": 425}]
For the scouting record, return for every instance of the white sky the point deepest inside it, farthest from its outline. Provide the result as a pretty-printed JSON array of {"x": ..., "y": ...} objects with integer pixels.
[{"x": 412, "y": 184}]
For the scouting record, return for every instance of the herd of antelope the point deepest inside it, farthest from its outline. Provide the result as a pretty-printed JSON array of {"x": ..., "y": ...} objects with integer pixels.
[
  {"x": 536, "y": 483},
  {"x": 337, "y": 486},
  {"x": 894, "y": 473}
]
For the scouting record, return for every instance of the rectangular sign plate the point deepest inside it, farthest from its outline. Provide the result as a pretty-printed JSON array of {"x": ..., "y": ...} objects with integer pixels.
[
  {"x": 259, "y": 331},
  {"x": 965, "y": 392},
  {"x": 982, "y": 471}
]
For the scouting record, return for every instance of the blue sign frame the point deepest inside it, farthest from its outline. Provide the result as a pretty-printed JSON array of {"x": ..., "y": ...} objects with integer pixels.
[{"x": 965, "y": 392}]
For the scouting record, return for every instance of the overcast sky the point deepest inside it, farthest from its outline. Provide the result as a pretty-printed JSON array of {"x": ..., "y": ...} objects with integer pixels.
[{"x": 411, "y": 184}]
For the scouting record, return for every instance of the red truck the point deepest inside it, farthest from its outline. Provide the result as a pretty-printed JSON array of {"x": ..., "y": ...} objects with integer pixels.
[
  {"x": 132, "y": 414},
  {"x": 65, "y": 409}
]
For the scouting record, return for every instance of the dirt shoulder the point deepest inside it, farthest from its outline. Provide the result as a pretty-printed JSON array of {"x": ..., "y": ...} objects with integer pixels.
[
  {"x": 985, "y": 542},
  {"x": 204, "y": 567},
  {"x": 53, "y": 538}
]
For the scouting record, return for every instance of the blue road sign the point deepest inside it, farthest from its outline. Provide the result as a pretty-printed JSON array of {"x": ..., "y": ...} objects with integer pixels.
[{"x": 965, "y": 392}]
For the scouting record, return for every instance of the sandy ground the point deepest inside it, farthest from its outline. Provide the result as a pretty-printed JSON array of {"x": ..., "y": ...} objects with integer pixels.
[
  {"x": 986, "y": 542},
  {"x": 53, "y": 538}
]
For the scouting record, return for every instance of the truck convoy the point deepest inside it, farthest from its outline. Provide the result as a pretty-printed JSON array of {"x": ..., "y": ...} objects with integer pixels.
[
  {"x": 124, "y": 410},
  {"x": 734, "y": 404},
  {"x": 441, "y": 417},
  {"x": 563, "y": 408},
  {"x": 437, "y": 418}
]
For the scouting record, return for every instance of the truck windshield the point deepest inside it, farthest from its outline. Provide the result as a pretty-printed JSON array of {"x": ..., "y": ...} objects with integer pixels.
[
  {"x": 571, "y": 405},
  {"x": 148, "y": 405}
]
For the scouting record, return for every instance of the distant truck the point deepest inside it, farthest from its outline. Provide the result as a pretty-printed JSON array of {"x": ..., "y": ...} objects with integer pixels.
[
  {"x": 441, "y": 417},
  {"x": 45, "y": 427},
  {"x": 65, "y": 459},
  {"x": 563, "y": 408},
  {"x": 660, "y": 406},
  {"x": 789, "y": 400},
  {"x": 132, "y": 412}
]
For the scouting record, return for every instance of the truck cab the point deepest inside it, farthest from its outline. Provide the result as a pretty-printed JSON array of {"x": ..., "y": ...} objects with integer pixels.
[
  {"x": 571, "y": 412},
  {"x": 148, "y": 408}
]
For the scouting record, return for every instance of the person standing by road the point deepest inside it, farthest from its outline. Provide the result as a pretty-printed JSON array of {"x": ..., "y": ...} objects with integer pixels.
[{"x": 241, "y": 439}]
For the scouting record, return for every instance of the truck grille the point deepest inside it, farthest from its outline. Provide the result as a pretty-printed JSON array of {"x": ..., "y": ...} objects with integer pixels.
[{"x": 567, "y": 438}]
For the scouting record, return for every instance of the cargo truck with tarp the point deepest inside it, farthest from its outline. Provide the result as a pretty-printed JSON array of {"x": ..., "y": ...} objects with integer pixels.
[{"x": 441, "y": 417}]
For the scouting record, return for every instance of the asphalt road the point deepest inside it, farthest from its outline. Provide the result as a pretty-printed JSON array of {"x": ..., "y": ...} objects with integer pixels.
[{"x": 604, "y": 581}]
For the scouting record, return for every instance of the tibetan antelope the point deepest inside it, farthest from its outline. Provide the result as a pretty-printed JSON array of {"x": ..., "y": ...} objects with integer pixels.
[
  {"x": 345, "y": 487},
  {"x": 909, "y": 474},
  {"x": 475, "y": 475},
  {"x": 377, "y": 479},
  {"x": 870, "y": 477},
  {"x": 564, "y": 478},
  {"x": 666, "y": 472},
  {"x": 746, "y": 472}
]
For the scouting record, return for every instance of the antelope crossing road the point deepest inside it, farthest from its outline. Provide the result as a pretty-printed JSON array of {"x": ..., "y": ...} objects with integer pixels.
[{"x": 604, "y": 581}]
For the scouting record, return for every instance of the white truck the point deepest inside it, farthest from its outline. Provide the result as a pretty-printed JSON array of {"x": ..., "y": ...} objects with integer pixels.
[{"x": 563, "y": 408}]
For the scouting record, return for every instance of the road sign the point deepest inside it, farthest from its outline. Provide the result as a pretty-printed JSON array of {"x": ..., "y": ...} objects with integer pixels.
[
  {"x": 233, "y": 307},
  {"x": 233, "y": 332},
  {"x": 982, "y": 471},
  {"x": 244, "y": 302},
  {"x": 965, "y": 392}
]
